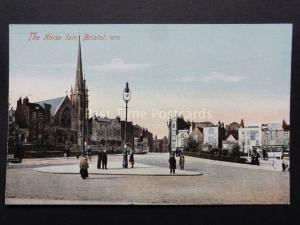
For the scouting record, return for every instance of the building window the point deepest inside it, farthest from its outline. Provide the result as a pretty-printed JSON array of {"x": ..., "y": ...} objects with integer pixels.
[
  {"x": 34, "y": 116},
  {"x": 81, "y": 115},
  {"x": 211, "y": 131},
  {"x": 252, "y": 135},
  {"x": 66, "y": 118}
]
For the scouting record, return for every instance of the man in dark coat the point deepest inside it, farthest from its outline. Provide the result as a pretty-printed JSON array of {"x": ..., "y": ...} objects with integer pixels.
[
  {"x": 19, "y": 153},
  {"x": 283, "y": 166},
  {"x": 68, "y": 152},
  {"x": 131, "y": 159},
  {"x": 99, "y": 159},
  {"x": 172, "y": 162},
  {"x": 104, "y": 160},
  {"x": 256, "y": 159}
]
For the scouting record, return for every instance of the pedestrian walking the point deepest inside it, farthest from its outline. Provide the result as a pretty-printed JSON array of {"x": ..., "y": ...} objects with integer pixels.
[
  {"x": 19, "y": 152},
  {"x": 89, "y": 152},
  {"x": 83, "y": 165},
  {"x": 99, "y": 161},
  {"x": 287, "y": 166},
  {"x": 181, "y": 161},
  {"x": 104, "y": 160},
  {"x": 283, "y": 166},
  {"x": 67, "y": 150},
  {"x": 257, "y": 159},
  {"x": 131, "y": 159},
  {"x": 172, "y": 162}
]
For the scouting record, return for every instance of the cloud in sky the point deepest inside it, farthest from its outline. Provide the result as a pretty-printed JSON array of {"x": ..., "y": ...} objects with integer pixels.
[
  {"x": 214, "y": 76},
  {"x": 118, "y": 65},
  {"x": 115, "y": 65},
  {"x": 54, "y": 66}
]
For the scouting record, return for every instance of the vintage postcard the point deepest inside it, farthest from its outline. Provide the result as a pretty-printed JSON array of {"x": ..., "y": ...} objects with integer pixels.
[{"x": 149, "y": 114}]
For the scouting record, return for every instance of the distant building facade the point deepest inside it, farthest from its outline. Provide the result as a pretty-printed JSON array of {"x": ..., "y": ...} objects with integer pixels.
[
  {"x": 112, "y": 132},
  {"x": 165, "y": 144},
  {"x": 161, "y": 145},
  {"x": 275, "y": 138},
  {"x": 157, "y": 144},
  {"x": 211, "y": 137},
  {"x": 230, "y": 141},
  {"x": 175, "y": 124},
  {"x": 181, "y": 139},
  {"x": 196, "y": 134},
  {"x": 250, "y": 139},
  {"x": 104, "y": 131}
]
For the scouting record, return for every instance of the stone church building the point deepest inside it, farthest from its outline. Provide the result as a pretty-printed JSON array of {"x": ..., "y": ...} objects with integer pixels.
[{"x": 57, "y": 120}]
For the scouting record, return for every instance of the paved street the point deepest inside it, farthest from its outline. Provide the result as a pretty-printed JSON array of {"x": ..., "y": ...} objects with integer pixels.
[{"x": 220, "y": 183}]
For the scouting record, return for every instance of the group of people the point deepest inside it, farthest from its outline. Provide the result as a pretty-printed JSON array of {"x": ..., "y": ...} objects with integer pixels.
[
  {"x": 172, "y": 162},
  {"x": 102, "y": 162},
  {"x": 84, "y": 165},
  {"x": 102, "y": 159}
]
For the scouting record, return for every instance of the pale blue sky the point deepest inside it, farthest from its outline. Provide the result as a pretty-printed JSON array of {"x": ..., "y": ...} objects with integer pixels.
[{"x": 233, "y": 71}]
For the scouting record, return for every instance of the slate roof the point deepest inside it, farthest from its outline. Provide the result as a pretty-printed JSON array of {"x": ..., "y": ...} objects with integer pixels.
[
  {"x": 200, "y": 129},
  {"x": 54, "y": 102},
  {"x": 235, "y": 135},
  {"x": 233, "y": 123},
  {"x": 103, "y": 119}
]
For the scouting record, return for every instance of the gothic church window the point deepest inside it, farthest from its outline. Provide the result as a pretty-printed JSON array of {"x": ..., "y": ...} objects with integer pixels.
[{"x": 66, "y": 118}]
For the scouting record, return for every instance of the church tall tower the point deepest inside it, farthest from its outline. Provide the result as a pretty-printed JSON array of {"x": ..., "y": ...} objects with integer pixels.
[{"x": 77, "y": 96}]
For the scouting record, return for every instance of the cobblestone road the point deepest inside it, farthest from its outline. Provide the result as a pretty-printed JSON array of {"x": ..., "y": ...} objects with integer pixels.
[{"x": 219, "y": 184}]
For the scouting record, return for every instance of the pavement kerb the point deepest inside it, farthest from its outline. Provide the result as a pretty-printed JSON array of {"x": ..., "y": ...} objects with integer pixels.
[{"x": 122, "y": 174}]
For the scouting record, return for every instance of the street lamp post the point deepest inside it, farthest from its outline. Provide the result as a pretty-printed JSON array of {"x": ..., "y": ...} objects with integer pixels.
[
  {"x": 126, "y": 98},
  {"x": 170, "y": 136},
  {"x": 105, "y": 137}
]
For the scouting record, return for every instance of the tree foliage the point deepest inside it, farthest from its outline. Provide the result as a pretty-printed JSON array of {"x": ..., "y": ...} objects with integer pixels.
[
  {"x": 236, "y": 151},
  {"x": 192, "y": 146}
]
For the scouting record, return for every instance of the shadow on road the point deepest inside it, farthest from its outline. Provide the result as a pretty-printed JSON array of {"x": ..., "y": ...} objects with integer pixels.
[{"x": 106, "y": 178}]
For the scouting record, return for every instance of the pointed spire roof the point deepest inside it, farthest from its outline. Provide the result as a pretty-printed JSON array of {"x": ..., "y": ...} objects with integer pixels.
[{"x": 79, "y": 74}]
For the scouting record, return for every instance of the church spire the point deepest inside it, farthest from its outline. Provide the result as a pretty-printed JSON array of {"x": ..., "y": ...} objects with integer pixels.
[{"x": 79, "y": 76}]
